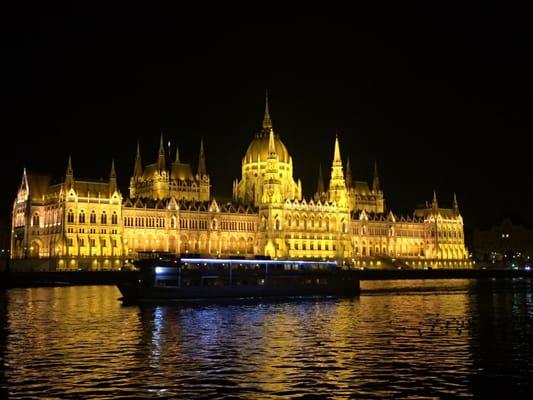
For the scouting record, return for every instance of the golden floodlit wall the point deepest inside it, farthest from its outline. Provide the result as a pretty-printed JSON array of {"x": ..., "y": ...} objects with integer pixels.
[{"x": 87, "y": 224}]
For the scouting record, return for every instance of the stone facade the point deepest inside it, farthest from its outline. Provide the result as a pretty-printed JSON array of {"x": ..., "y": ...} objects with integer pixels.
[{"x": 89, "y": 225}]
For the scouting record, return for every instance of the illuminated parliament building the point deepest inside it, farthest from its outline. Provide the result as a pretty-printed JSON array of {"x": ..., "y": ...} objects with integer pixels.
[{"x": 87, "y": 224}]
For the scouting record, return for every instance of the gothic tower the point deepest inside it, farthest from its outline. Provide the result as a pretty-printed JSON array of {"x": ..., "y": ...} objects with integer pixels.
[{"x": 337, "y": 186}]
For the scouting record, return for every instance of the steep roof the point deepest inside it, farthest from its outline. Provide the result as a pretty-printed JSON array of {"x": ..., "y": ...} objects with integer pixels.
[{"x": 38, "y": 185}]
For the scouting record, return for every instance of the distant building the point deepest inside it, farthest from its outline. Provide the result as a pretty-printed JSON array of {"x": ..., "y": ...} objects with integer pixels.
[
  {"x": 505, "y": 244},
  {"x": 88, "y": 224}
]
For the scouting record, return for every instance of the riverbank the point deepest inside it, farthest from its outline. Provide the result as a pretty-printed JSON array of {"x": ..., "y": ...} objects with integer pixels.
[{"x": 66, "y": 278}]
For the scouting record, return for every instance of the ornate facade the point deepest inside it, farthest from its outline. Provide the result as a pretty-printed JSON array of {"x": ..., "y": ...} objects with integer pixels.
[{"x": 88, "y": 224}]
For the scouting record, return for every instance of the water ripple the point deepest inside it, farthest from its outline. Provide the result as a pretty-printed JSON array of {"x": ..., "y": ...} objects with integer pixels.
[{"x": 397, "y": 340}]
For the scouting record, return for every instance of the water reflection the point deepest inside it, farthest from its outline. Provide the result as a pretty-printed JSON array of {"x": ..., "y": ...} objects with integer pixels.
[{"x": 414, "y": 339}]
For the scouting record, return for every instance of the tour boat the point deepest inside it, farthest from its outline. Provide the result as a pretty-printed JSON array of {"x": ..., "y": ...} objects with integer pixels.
[{"x": 175, "y": 278}]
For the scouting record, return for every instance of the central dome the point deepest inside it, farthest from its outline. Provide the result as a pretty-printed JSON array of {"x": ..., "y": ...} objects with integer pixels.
[{"x": 258, "y": 149}]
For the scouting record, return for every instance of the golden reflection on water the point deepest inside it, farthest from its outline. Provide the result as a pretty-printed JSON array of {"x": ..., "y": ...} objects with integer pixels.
[{"x": 397, "y": 339}]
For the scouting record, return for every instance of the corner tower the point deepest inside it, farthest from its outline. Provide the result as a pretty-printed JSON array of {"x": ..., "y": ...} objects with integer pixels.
[{"x": 337, "y": 185}]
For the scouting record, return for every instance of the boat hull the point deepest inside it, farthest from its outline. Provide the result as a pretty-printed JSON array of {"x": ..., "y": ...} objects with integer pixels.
[{"x": 342, "y": 284}]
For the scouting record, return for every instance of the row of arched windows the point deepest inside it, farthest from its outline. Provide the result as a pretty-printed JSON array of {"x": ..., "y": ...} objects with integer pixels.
[
  {"x": 243, "y": 226},
  {"x": 450, "y": 234},
  {"x": 145, "y": 222},
  {"x": 92, "y": 217},
  {"x": 307, "y": 223},
  {"x": 51, "y": 216},
  {"x": 189, "y": 223},
  {"x": 312, "y": 246}
]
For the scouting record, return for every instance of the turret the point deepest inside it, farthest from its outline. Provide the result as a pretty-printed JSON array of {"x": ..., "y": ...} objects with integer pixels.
[
  {"x": 201, "y": 160},
  {"x": 337, "y": 187},
  {"x": 320, "y": 184},
  {"x": 69, "y": 176},
  {"x": 434, "y": 203},
  {"x": 161, "y": 163},
  {"x": 348, "y": 174},
  {"x": 375, "y": 181},
  {"x": 455, "y": 204},
  {"x": 138, "y": 168},
  {"x": 112, "y": 179}
]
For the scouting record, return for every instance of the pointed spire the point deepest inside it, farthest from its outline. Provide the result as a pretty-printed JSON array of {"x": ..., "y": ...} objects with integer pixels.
[
  {"x": 24, "y": 183},
  {"x": 320, "y": 184},
  {"x": 161, "y": 147},
  {"x": 271, "y": 143},
  {"x": 337, "y": 152},
  {"x": 138, "y": 168},
  {"x": 455, "y": 203},
  {"x": 161, "y": 163},
  {"x": 348, "y": 179},
  {"x": 337, "y": 185},
  {"x": 201, "y": 160},
  {"x": 267, "y": 122},
  {"x": 69, "y": 178},
  {"x": 112, "y": 178},
  {"x": 177, "y": 154},
  {"x": 113, "y": 174},
  {"x": 434, "y": 203},
  {"x": 375, "y": 182},
  {"x": 69, "y": 166}
]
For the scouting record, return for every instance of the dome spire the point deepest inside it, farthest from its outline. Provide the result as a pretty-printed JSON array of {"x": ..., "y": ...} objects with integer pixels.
[
  {"x": 267, "y": 122},
  {"x": 271, "y": 144}
]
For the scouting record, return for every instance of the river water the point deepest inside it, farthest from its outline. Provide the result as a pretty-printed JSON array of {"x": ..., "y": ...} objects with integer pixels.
[{"x": 398, "y": 339}]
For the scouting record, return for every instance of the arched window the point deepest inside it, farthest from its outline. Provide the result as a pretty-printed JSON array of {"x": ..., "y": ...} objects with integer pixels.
[
  {"x": 36, "y": 219},
  {"x": 103, "y": 218},
  {"x": 344, "y": 227},
  {"x": 70, "y": 216},
  {"x": 277, "y": 225},
  {"x": 114, "y": 218},
  {"x": 93, "y": 217},
  {"x": 82, "y": 217}
]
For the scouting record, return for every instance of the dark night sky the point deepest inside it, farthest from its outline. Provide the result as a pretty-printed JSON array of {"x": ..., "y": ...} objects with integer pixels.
[{"x": 440, "y": 97}]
